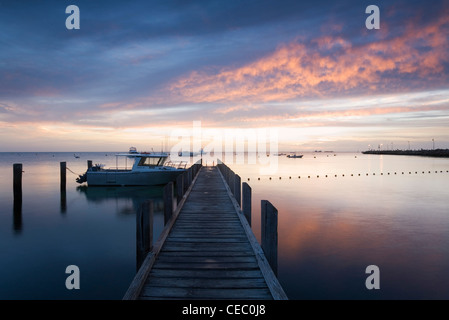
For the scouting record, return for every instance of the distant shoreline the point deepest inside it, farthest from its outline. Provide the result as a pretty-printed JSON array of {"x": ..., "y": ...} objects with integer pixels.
[{"x": 438, "y": 153}]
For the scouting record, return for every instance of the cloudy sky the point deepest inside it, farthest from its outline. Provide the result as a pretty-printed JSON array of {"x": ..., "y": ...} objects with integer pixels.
[{"x": 137, "y": 71}]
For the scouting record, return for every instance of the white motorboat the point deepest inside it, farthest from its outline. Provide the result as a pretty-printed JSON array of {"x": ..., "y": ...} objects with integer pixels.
[
  {"x": 295, "y": 156},
  {"x": 148, "y": 169}
]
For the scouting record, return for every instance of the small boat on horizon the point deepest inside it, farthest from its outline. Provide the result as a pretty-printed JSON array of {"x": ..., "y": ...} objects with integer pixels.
[{"x": 295, "y": 156}]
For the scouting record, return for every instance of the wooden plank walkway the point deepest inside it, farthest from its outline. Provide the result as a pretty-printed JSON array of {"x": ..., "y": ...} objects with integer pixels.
[{"x": 210, "y": 251}]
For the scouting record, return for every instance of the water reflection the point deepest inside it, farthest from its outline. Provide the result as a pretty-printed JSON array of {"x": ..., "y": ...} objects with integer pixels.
[
  {"x": 332, "y": 225},
  {"x": 63, "y": 201},
  {"x": 17, "y": 215},
  {"x": 137, "y": 195}
]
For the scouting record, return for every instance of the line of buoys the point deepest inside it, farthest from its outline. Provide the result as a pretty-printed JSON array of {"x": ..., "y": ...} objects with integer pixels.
[{"x": 359, "y": 174}]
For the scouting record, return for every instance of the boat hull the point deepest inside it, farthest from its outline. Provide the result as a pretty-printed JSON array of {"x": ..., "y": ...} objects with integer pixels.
[{"x": 130, "y": 178}]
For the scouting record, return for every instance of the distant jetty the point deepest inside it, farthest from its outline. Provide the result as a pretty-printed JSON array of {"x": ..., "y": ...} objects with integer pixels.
[{"x": 439, "y": 153}]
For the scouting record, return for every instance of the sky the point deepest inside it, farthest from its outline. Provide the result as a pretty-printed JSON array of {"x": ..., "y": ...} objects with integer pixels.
[{"x": 137, "y": 73}]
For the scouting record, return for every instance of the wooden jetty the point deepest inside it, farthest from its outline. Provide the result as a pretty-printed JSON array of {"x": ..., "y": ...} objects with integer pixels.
[{"x": 207, "y": 249}]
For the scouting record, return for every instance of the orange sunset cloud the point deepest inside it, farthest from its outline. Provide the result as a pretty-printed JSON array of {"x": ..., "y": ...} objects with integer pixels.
[{"x": 327, "y": 66}]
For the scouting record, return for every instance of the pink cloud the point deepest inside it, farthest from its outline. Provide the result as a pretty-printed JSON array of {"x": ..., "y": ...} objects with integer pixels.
[{"x": 330, "y": 67}]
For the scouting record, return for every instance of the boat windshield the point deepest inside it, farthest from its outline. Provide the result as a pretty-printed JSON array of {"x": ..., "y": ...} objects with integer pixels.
[{"x": 151, "y": 161}]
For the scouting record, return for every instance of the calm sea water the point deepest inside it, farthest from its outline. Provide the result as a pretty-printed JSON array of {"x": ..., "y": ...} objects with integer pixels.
[{"x": 330, "y": 228}]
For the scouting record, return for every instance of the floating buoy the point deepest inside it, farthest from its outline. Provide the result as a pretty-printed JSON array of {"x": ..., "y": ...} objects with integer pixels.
[
  {"x": 258, "y": 178},
  {"x": 317, "y": 176},
  {"x": 326, "y": 175},
  {"x": 289, "y": 177},
  {"x": 270, "y": 178},
  {"x": 280, "y": 178}
]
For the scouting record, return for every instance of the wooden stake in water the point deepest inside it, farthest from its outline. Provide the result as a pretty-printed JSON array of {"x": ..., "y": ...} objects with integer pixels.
[
  {"x": 144, "y": 231},
  {"x": 269, "y": 234},
  {"x": 17, "y": 191},
  {"x": 246, "y": 201},
  {"x": 238, "y": 189},
  {"x": 168, "y": 201},
  {"x": 63, "y": 174},
  {"x": 17, "y": 181}
]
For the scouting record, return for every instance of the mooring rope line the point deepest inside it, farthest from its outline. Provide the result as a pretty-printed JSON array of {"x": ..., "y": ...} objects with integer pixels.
[
  {"x": 73, "y": 172},
  {"x": 359, "y": 174}
]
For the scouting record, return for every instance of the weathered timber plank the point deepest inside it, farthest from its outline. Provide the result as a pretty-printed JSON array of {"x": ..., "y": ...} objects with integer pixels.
[
  {"x": 205, "y": 293},
  {"x": 205, "y": 259},
  {"x": 211, "y": 274},
  {"x": 210, "y": 265},
  {"x": 180, "y": 282},
  {"x": 179, "y": 246},
  {"x": 210, "y": 254},
  {"x": 220, "y": 240}
]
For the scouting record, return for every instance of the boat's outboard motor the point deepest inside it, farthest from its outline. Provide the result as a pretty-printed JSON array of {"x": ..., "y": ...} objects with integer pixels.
[{"x": 82, "y": 178}]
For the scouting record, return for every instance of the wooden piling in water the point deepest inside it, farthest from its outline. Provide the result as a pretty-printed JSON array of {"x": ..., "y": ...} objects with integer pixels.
[
  {"x": 185, "y": 181},
  {"x": 17, "y": 181},
  {"x": 144, "y": 230},
  {"x": 269, "y": 233},
  {"x": 179, "y": 188},
  {"x": 246, "y": 201},
  {"x": 168, "y": 202},
  {"x": 17, "y": 193},
  {"x": 238, "y": 189},
  {"x": 63, "y": 201},
  {"x": 63, "y": 174},
  {"x": 231, "y": 182}
]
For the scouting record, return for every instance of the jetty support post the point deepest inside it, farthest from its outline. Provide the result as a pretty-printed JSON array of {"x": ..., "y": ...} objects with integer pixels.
[
  {"x": 179, "y": 188},
  {"x": 185, "y": 182},
  {"x": 17, "y": 182},
  {"x": 269, "y": 233},
  {"x": 189, "y": 175},
  {"x": 63, "y": 175},
  {"x": 168, "y": 202},
  {"x": 246, "y": 201},
  {"x": 231, "y": 182},
  {"x": 17, "y": 193},
  {"x": 238, "y": 189},
  {"x": 144, "y": 231}
]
